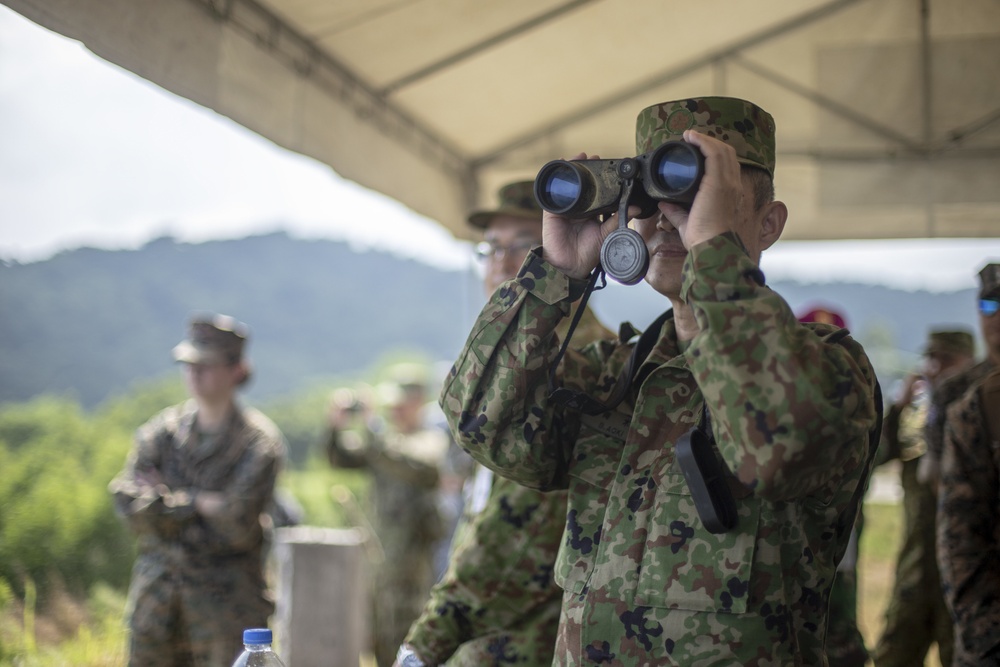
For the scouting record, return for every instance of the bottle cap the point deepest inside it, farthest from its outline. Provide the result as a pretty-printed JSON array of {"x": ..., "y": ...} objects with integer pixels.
[{"x": 257, "y": 636}]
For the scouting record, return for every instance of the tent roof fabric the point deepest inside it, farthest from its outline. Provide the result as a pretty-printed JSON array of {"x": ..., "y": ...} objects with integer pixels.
[{"x": 887, "y": 111}]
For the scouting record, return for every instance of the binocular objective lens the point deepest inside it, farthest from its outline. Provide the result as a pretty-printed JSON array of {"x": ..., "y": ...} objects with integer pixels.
[
  {"x": 561, "y": 188},
  {"x": 677, "y": 169}
]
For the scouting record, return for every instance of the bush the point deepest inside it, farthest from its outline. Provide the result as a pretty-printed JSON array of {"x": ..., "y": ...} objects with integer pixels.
[{"x": 57, "y": 514}]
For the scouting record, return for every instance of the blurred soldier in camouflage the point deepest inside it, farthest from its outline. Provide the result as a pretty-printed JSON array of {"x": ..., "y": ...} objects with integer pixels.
[
  {"x": 194, "y": 489},
  {"x": 404, "y": 457},
  {"x": 968, "y": 519},
  {"x": 790, "y": 405},
  {"x": 953, "y": 388},
  {"x": 497, "y": 603},
  {"x": 916, "y": 616}
]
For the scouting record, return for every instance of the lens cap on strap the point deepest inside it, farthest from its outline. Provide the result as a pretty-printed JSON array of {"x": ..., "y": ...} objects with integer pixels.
[{"x": 624, "y": 256}]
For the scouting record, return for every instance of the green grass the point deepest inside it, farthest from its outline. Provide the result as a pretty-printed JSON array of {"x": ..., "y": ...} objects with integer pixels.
[{"x": 92, "y": 633}]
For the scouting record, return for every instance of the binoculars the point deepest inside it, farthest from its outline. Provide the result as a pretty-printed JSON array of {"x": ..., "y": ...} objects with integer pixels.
[{"x": 588, "y": 188}]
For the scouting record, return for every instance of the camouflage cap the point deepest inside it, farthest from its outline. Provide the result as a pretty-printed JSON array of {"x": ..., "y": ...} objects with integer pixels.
[
  {"x": 213, "y": 339},
  {"x": 989, "y": 281},
  {"x": 950, "y": 342},
  {"x": 516, "y": 199},
  {"x": 741, "y": 124}
]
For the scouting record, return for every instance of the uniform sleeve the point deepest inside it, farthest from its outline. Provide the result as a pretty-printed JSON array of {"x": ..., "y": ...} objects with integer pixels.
[
  {"x": 498, "y": 574},
  {"x": 139, "y": 494},
  {"x": 370, "y": 451},
  {"x": 791, "y": 411},
  {"x": 496, "y": 397},
  {"x": 968, "y": 549}
]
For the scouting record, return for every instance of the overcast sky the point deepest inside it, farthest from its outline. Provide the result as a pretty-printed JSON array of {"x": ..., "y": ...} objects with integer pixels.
[{"x": 93, "y": 155}]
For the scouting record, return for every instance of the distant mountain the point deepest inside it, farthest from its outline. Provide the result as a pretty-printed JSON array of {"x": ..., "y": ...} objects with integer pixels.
[{"x": 89, "y": 322}]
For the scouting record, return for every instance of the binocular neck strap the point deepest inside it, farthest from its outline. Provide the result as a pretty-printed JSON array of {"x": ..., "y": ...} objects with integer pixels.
[
  {"x": 554, "y": 392},
  {"x": 580, "y": 401}
]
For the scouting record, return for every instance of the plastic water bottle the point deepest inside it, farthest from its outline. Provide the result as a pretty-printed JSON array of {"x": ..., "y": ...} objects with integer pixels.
[{"x": 257, "y": 651}]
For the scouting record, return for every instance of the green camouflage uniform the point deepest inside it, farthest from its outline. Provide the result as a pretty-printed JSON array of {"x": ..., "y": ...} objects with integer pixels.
[
  {"x": 197, "y": 582},
  {"x": 405, "y": 474},
  {"x": 644, "y": 581},
  {"x": 498, "y": 603},
  {"x": 968, "y": 527}
]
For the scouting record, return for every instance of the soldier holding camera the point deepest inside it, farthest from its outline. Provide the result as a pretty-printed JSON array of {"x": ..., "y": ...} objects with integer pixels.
[
  {"x": 404, "y": 458},
  {"x": 713, "y": 467}
]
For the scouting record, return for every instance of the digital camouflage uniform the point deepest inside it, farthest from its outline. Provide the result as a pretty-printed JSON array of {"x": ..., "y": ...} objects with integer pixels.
[
  {"x": 498, "y": 603},
  {"x": 950, "y": 391},
  {"x": 969, "y": 523},
  {"x": 916, "y": 616},
  {"x": 405, "y": 473},
  {"x": 197, "y": 583}
]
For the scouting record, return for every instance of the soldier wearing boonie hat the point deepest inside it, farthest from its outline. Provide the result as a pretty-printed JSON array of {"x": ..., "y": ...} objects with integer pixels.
[
  {"x": 194, "y": 489},
  {"x": 516, "y": 200},
  {"x": 490, "y": 546},
  {"x": 652, "y": 574}
]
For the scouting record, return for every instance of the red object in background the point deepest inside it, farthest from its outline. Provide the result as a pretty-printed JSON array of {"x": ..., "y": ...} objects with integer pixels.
[{"x": 824, "y": 315}]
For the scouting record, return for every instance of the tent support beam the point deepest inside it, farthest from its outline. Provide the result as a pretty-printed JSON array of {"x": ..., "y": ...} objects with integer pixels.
[
  {"x": 301, "y": 55},
  {"x": 479, "y": 47},
  {"x": 830, "y": 104},
  {"x": 662, "y": 78}
]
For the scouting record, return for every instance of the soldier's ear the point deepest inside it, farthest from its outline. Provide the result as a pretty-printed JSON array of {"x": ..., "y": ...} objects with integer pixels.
[{"x": 772, "y": 223}]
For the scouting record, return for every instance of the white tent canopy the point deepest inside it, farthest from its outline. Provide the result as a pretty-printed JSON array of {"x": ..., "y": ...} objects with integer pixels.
[{"x": 888, "y": 111}]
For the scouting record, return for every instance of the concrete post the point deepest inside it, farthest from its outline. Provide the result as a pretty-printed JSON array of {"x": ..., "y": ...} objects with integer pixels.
[{"x": 322, "y": 611}]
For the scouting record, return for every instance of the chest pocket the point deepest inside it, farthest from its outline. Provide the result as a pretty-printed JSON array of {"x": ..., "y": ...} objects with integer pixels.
[{"x": 684, "y": 566}]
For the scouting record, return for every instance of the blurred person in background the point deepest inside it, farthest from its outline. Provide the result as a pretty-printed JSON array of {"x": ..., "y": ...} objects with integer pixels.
[
  {"x": 954, "y": 387},
  {"x": 195, "y": 490},
  {"x": 968, "y": 516},
  {"x": 404, "y": 457},
  {"x": 497, "y": 603},
  {"x": 916, "y": 616}
]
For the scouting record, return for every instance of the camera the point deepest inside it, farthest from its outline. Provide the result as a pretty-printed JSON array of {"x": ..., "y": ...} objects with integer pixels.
[{"x": 587, "y": 188}]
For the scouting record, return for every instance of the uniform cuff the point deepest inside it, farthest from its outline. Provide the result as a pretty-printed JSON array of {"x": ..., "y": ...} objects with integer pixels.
[
  {"x": 546, "y": 282},
  {"x": 720, "y": 269}
]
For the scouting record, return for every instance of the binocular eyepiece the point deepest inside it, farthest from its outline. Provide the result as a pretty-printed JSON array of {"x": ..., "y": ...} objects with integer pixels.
[{"x": 586, "y": 188}]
